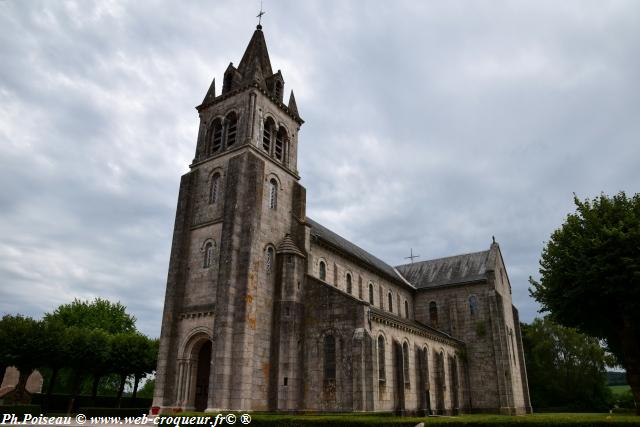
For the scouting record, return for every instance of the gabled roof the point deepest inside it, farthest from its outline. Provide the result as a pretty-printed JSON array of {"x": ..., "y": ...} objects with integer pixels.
[
  {"x": 451, "y": 270},
  {"x": 349, "y": 249},
  {"x": 256, "y": 50}
]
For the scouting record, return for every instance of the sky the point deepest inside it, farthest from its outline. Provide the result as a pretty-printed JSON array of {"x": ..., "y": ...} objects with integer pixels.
[{"x": 429, "y": 125}]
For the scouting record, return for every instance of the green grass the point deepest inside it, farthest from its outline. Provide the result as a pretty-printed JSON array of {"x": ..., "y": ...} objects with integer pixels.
[
  {"x": 619, "y": 389},
  {"x": 361, "y": 420}
]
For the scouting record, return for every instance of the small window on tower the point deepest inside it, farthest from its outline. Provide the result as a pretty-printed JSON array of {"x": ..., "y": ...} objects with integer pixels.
[
  {"x": 406, "y": 309},
  {"x": 267, "y": 134},
  {"x": 280, "y": 139},
  {"x": 371, "y": 293},
  {"x": 268, "y": 262},
  {"x": 433, "y": 314},
  {"x": 348, "y": 283},
  {"x": 273, "y": 193},
  {"x": 208, "y": 255},
  {"x": 215, "y": 184},
  {"x": 390, "y": 298},
  {"x": 216, "y": 137},
  {"x": 232, "y": 129}
]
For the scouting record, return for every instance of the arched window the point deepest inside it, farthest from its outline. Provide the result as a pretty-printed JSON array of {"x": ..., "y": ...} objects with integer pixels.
[
  {"x": 232, "y": 128},
  {"x": 348, "y": 283},
  {"x": 215, "y": 184},
  {"x": 322, "y": 271},
  {"x": 268, "y": 260},
  {"x": 406, "y": 309},
  {"x": 405, "y": 363},
  {"x": 273, "y": 193},
  {"x": 371, "y": 293},
  {"x": 268, "y": 134},
  {"x": 382, "y": 375},
  {"x": 390, "y": 298},
  {"x": 329, "y": 360},
  {"x": 360, "y": 287},
  {"x": 473, "y": 305},
  {"x": 216, "y": 137},
  {"x": 281, "y": 137},
  {"x": 208, "y": 255},
  {"x": 433, "y": 314}
]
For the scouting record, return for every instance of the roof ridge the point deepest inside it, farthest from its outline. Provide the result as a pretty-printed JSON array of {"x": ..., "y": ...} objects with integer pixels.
[{"x": 444, "y": 258}]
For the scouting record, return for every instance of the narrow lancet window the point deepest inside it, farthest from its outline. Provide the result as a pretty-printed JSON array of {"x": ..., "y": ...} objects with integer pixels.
[
  {"x": 208, "y": 255},
  {"x": 371, "y": 293},
  {"x": 273, "y": 193},
  {"x": 329, "y": 360},
  {"x": 215, "y": 184},
  {"x": 390, "y": 298},
  {"x": 268, "y": 262},
  {"x": 280, "y": 139},
  {"x": 232, "y": 129},
  {"x": 433, "y": 314},
  {"x": 473, "y": 305},
  {"x": 405, "y": 363},
  {"x": 348, "y": 283},
  {"x": 267, "y": 135},
  {"x": 216, "y": 137},
  {"x": 322, "y": 271},
  {"x": 382, "y": 376}
]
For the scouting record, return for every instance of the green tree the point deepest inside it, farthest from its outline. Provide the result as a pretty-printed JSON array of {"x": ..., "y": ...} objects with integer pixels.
[
  {"x": 565, "y": 368},
  {"x": 97, "y": 314},
  {"x": 57, "y": 353},
  {"x": 129, "y": 354},
  {"x": 590, "y": 276},
  {"x": 145, "y": 359},
  {"x": 89, "y": 348},
  {"x": 22, "y": 348}
]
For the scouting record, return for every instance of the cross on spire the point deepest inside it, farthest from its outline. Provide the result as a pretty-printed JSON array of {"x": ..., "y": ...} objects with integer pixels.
[
  {"x": 412, "y": 256},
  {"x": 259, "y": 15}
]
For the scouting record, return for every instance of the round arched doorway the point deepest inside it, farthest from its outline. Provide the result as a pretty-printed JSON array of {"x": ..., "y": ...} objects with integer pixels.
[{"x": 203, "y": 370}]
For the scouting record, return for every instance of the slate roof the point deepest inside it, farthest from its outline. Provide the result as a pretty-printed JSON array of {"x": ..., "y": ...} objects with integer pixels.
[
  {"x": 356, "y": 252},
  {"x": 447, "y": 271}
]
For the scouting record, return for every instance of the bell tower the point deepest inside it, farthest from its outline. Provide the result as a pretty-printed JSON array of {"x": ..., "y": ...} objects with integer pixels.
[{"x": 238, "y": 251}]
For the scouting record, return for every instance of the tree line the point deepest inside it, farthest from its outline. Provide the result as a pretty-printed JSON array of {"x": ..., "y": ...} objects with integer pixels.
[{"x": 88, "y": 339}]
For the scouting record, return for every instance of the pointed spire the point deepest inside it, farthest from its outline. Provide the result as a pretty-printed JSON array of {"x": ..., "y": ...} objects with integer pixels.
[
  {"x": 211, "y": 93},
  {"x": 255, "y": 74},
  {"x": 293, "y": 107},
  {"x": 257, "y": 49}
]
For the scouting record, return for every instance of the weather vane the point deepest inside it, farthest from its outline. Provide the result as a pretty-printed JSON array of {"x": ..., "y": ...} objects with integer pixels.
[
  {"x": 412, "y": 256},
  {"x": 259, "y": 15}
]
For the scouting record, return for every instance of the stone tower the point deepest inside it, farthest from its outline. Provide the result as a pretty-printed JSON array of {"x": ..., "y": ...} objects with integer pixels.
[{"x": 231, "y": 321}]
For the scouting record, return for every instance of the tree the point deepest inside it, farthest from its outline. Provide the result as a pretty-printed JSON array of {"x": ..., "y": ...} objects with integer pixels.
[
  {"x": 57, "y": 353},
  {"x": 22, "y": 348},
  {"x": 145, "y": 360},
  {"x": 565, "y": 368},
  {"x": 590, "y": 276},
  {"x": 98, "y": 314},
  {"x": 129, "y": 355}
]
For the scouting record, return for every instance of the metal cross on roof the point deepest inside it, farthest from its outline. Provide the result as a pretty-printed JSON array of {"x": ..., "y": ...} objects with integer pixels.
[
  {"x": 412, "y": 256},
  {"x": 259, "y": 15}
]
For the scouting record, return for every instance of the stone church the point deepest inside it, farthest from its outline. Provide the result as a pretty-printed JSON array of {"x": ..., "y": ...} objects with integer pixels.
[{"x": 268, "y": 310}]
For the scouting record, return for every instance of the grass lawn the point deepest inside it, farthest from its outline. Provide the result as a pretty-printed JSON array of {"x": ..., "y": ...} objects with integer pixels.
[
  {"x": 619, "y": 389},
  {"x": 548, "y": 419}
]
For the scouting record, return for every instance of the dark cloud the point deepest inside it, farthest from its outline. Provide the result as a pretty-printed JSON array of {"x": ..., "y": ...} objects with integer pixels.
[{"x": 429, "y": 125}]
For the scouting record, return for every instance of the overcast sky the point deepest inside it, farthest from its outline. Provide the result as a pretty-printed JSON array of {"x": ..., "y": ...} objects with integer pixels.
[{"x": 429, "y": 125}]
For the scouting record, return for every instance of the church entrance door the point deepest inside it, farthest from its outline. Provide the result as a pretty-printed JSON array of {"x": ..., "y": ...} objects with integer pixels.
[{"x": 202, "y": 377}]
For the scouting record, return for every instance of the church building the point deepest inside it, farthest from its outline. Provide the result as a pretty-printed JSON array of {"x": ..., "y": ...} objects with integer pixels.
[{"x": 268, "y": 310}]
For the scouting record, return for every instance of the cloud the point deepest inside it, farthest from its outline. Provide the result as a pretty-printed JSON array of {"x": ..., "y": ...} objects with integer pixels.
[{"x": 430, "y": 126}]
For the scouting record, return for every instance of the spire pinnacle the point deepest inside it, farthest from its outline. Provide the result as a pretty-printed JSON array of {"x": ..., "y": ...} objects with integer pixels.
[
  {"x": 211, "y": 93},
  {"x": 293, "y": 108},
  {"x": 259, "y": 16}
]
